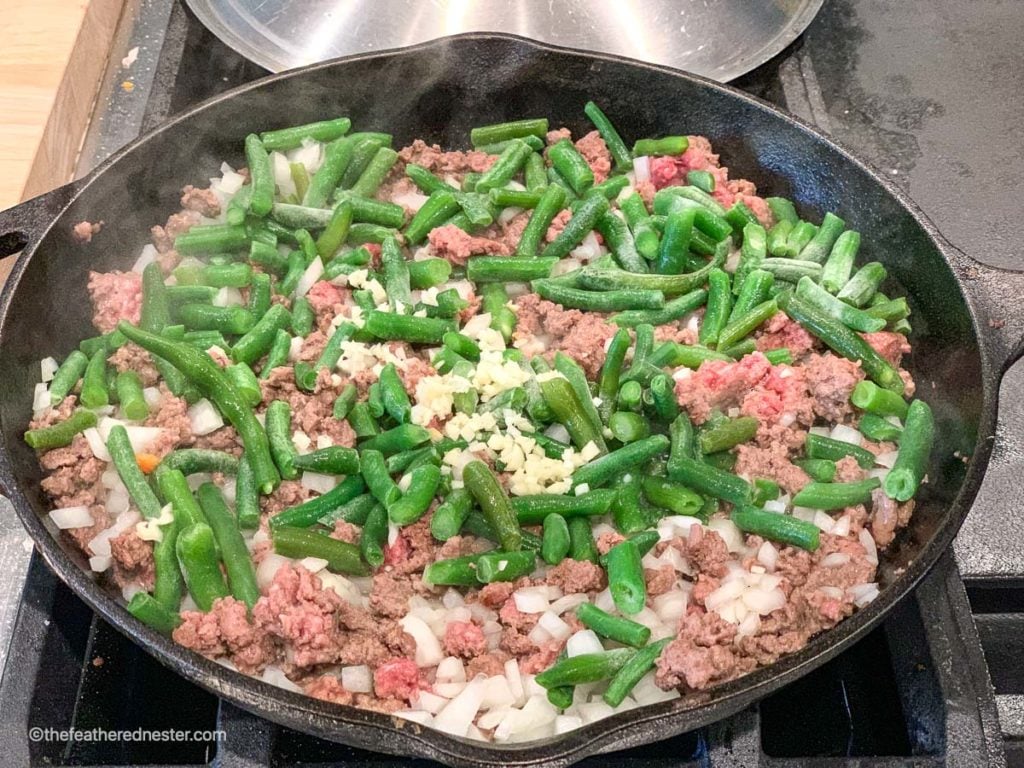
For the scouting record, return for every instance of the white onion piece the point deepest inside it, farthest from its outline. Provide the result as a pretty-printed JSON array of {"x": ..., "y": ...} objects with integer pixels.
[
  {"x": 671, "y": 606},
  {"x": 282, "y": 174},
  {"x": 732, "y": 262},
  {"x": 593, "y": 711},
  {"x": 428, "y": 648},
  {"x": 313, "y": 564},
  {"x": 458, "y": 714},
  {"x": 515, "y": 681},
  {"x": 318, "y": 482},
  {"x": 40, "y": 398},
  {"x": 449, "y": 690},
  {"x": 411, "y": 200},
  {"x": 531, "y": 599},
  {"x": 146, "y": 257},
  {"x": 152, "y": 397},
  {"x": 230, "y": 181},
  {"x": 726, "y": 593},
  {"x": 492, "y": 718},
  {"x": 99, "y": 563},
  {"x": 117, "y": 501},
  {"x": 313, "y": 272},
  {"x": 228, "y": 297},
  {"x": 868, "y": 542},
  {"x": 842, "y": 527},
  {"x": 275, "y": 676},
  {"x": 768, "y": 555},
  {"x": 310, "y": 155},
  {"x": 558, "y": 432},
  {"x": 96, "y": 444},
  {"x": 47, "y": 367},
  {"x": 846, "y": 434},
  {"x": 497, "y": 693},
  {"x": 775, "y": 505},
  {"x": 887, "y": 459},
  {"x": 451, "y": 669},
  {"x": 568, "y": 603},
  {"x": 430, "y": 702},
  {"x": 204, "y": 417},
  {"x": 507, "y": 214},
  {"x": 66, "y": 518},
  {"x": 642, "y": 168},
  {"x": 835, "y": 560},
  {"x": 584, "y": 641},
  {"x": 731, "y": 535},
  {"x": 862, "y": 594},
  {"x": 268, "y": 568},
  {"x": 821, "y": 431},
  {"x": 763, "y": 601},
  {"x": 415, "y": 715}
]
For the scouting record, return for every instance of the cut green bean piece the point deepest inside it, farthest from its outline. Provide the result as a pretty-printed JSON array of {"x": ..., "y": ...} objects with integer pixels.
[
  {"x": 775, "y": 527},
  {"x": 908, "y": 472}
]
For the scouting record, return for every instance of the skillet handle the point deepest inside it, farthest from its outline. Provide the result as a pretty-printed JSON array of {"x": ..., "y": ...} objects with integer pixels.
[
  {"x": 996, "y": 296},
  {"x": 23, "y": 226}
]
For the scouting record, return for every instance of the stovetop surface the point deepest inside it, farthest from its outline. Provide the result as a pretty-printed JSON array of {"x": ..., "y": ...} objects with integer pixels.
[{"x": 927, "y": 91}]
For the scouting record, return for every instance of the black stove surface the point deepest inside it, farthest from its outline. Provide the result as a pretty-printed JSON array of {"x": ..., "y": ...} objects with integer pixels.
[{"x": 924, "y": 89}]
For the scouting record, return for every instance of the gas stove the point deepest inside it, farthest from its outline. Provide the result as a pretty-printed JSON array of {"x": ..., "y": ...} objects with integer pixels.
[{"x": 923, "y": 89}]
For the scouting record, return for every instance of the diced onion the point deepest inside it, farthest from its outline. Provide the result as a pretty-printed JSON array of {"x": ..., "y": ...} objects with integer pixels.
[
  {"x": 845, "y": 434},
  {"x": 204, "y": 418},
  {"x": 357, "y": 679},
  {"x": 507, "y": 214},
  {"x": 868, "y": 542},
  {"x": 228, "y": 297},
  {"x": 96, "y": 444},
  {"x": 313, "y": 272},
  {"x": 835, "y": 560},
  {"x": 428, "y": 648},
  {"x": 269, "y": 567},
  {"x": 99, "y": 563},
  {"x": 450, "y": 670},
  {"x": 642, "y": 168},
  {"x": 412, "y": 200},
  {"x": 568, "y": 603},
  {"x": 47, "y": 367},
  {"x": 862, "y": 594},
  {"x": 275, "y": 676},
  {"x": 146, "y": 257},
  {"x": 282, "y": 174},
  {"x": 584, "y": 641},
  {"x": 731, "y": 535},
  {"x": 887, "y": 459},
  {"x": 71, "y": 517},
  {"x": 318, "y": 482},
  {"x": 768, "y": 555},
  {"x": 531, "y": 599},
  {"x": 458, "y": 714},
  {"x": 40, "y": 398}
]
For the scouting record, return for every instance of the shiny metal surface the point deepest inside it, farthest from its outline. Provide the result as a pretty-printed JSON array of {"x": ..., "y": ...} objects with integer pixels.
[{"x": 719, "y": 39}]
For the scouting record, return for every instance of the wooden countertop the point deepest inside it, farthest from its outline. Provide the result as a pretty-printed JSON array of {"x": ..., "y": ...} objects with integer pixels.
[{"x": 53, "y": 56}]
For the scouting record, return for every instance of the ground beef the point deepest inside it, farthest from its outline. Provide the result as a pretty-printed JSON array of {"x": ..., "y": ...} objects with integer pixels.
[
  {"x": 489, "y": 664},
  {"x": 771, "y": 462},
  {"x": 596, "y": 153},
  {"x": 204, "y": 201},
  {"x": 608, "y": 540},
  {"x": 73, "y": 477},
  {"x": 414, "y": 369},
  {"x": 580, "y": 335},
  {"x": 399, "y": 678},
  {"x": 224, "y": 439},
  {"x": 171, "y": 415},
  {"x": 542, "y": 658},
  {"x": 328, "y": 301},
  {"x": 227, "y": 631},
  {"x": 456, "y": 245},
  {"x": 431, "y": 157},
  {"x": 557, "y": 225},
  {"x": 328, "y": 688},
  {"x": 891, "y": 346},
  {"x": 702, "y": 655},
  {"x": 849, "y": 471},
  {"x": 556, "y": 135},
  {"x": 577, "y": 576},
  {"x": 782, "y": 333},
  {"x": 464, "y": 639},
  {"x": 679, "y": 332},
  {"x": 718, "y": 384},
  {"x": 50, "y": 416},
  {"x": 312, "y": 412},
  {"x": 346, "y": 531},
  {"x": 132, "y": 357},
  {"x": 289, "y": 493},
  {"x": 887, "y": 517},
  {"x": 706, "y": 551},
  {"x": 780, "y": 399},
  {"x": 390, "y": 595},
  {"x": 84, "y": 231},
  {"x": 659, "y": 580},
  {"x": 115, "y": 296},
  {"x": 413, "y": 549},
  {"x": 132, "y": 559},
  {"x": 177, "y": 224},
  {"x": 830, "y": 380},
  {"x": 496, "y": 594}
]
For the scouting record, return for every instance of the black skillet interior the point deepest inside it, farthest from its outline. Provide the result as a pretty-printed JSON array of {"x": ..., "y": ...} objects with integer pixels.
[{"x": 437, "y": 92}]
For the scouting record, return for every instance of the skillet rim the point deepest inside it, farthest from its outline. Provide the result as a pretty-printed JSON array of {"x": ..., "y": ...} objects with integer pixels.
[{"x": 695, "y": 710}]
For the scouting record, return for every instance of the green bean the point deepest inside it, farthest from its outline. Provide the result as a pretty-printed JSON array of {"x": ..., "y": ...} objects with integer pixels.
[
  {"x": 753, "y": 252},
  {"x": 211, "y": 238},
  {"x": 570, "y": 164},
  {"x": 167, "y": 581},
  {"x": 404, "y": 437},
  {"x": 820, "y": 246},
  {"x": 605, "y": 279},
  {"x": 67, "y": 375},
  {"x": 336, "y": 231},
  {"x": 682, "y": 441},
  {"x": 361, "y": 233},
  {"x": 533, "y": 510},
  {"x": 849, "y": 316},
  {"x": 373, "y": 535},
  {"x": 413, "y": 504},
  {"x": 123, "y": 456},
  {"x": 754, "y": 291},
  {"x": 672, "y": 311},
  {"x": 377, "y": 479},
  {"x": 626, "y": 577},
  {"x": 129, "y": 395},
  {"x": 776, "y": 527},
  {"x": 372, "y": 211},
  {"x": 777, "y": 243},
  {"x": 296, "y": 268},
  {"x": 337, "y": 156},
  {"x": 108, "y": 341},
  {"x": 602, "y": 470},
  {"x": 314, "y": 510},
  {"x": 147, "y": 609},
  {"x": 745, "y": 324},
  {"x": 890, "y": 311},
  {"x": 583, "y": 221},
  {"x": 365, "y": 146},
  {"x": 820, "y": 470},
  {"x": 278, "y": 353},
  {"x": 510, "y": 161},
  {"x": 279, "y": 433},
  {"x": 507, "y": 269},
  {"x": 259, "y": 295},
  {"x": 839, "y": 265},
  {"x": 675, "y": 242},
  {"x": 727, "y": 434},
  {"x": 341, "y": 556},
  {"x": 676, "y": 198},
  {"x": 581, "y": 540},
  {"x": 494, "y": 503},
  {"x": 630, "y": 395},
  {"x": 616, "y": 146},
  {"x": 376, "y": 170},
  {"x": 718, "y": 308},
  {"x": 765, "y": 489},
  {"x": 863, "y": 285},
  {"x": 598, "y": 301},
  {"x": 632, "y": 671},
  {"x": 802, "y": 234},
  {"x": 514, "y": 198},
  {"x": 94, "y": 382},
  {"x": 836, "y": 495},
  {"x": 175, "y": 491},
  {"x": 396, "y": 277},
  {"x": 268, "y": 257},
  {"x": 709, "y": 480},
  {"x": 627, "y": 427},
  {"x": 791, "y": 270},
  {"x": 703, "y": 180},
  {"x": 190, "y": 461},
  {"x": 782, "y": 209},
  {"x": 908, "y": 472},
  {"x": 620, "y": 241},
  {"x": 234, "y": 553},
  {"x": 504, "y": 566},
  {"x": 494, "y": 301},
  {"x": 876, "y": 428},
  {"x": 247, "y": 504},
  {"x": 332, "y": 460},
  {"x": 203, "y": 340},
  {"x": 200, "y": 565},
  {"x": 208, "y": 378},
  {"x": 645, "y": 237},
  {"x": 535, "y": 174},
  {"x": 451, "y": 514},
  {"x": 555, "y": 542},
  {"x": 239, "y": 205},
  {"x": 262, "y": 177},
  {"x": 664, "y": 399},
  {"x": 491, "y": 134},
  {"x": 674, "y": 497},
  {"x": 291, "y": 138},
  {"x": 565, "y": 403},
  {"x": 301, "y": 216},
  {"x": 842, "y": 340},
  {"x": 869, "y": 397},
  {"x": 611, "y": 371},
  {"x": 428, "y": 273},
  {"x": 416, "y": 330},
  {"x": 551, "y": 201},
  {"x": 821, "y": 447},
  {"x": 362, "y": 423},
  {"x": 669, "y": 145},
  {"x": 260, "y": 338}
]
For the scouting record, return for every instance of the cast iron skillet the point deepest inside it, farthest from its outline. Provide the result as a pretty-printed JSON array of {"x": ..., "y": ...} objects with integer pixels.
[{"x": 437, "y": 91}]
